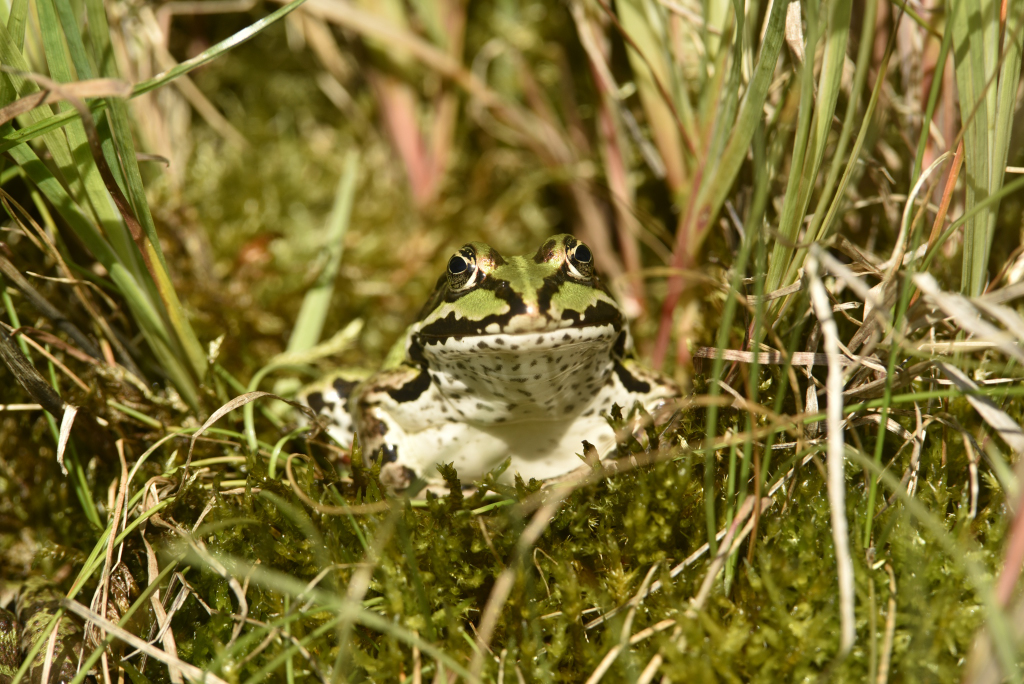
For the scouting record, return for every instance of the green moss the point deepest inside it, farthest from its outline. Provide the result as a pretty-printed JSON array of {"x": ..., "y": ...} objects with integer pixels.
[{"x": 438, "y": 562}]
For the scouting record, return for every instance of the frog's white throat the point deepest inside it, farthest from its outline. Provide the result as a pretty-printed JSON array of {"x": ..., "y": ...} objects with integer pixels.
[{"x": 491, "y": 379}]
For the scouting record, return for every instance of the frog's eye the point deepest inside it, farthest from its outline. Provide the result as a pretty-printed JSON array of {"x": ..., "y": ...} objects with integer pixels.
[
  {"x": 461, "y": 271},
  {"x": 581, "y": 261}
]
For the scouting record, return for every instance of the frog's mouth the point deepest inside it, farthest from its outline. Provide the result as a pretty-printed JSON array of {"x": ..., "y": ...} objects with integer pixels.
[
  {"x": 526, "y": 342},
  {"x": 522, "y": 321}
]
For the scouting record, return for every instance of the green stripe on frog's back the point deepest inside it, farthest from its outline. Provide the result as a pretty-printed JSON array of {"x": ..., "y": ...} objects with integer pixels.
[
  {"x": 592, "y": 302},
  {"x": 474, "y": 305},
  {"x": 526, "y": 279}
]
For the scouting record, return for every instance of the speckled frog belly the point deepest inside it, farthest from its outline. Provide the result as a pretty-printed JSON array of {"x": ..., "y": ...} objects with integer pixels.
[
  {"x": 520, "y": 357},
  {"x": 514, "y": 378}
]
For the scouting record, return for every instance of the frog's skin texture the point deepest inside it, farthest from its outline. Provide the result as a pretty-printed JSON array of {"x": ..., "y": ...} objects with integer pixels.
[
  {"x": 37, "y": 603},
  {"x": 10, "y": 634},
  {"x": 517, "y": 357}
]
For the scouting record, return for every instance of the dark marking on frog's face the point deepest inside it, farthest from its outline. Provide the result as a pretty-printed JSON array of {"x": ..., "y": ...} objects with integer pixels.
[
  {"x": 316, "y": 402},
  {"x": 484, "y": 293},
  {"x": 344, "y": 387},
  {"x": 630, "y": 381},
  {"x": 411, "y": 390},
  {"x": 388, "y": 453}
]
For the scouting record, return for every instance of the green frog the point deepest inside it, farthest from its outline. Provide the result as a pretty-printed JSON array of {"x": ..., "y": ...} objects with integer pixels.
[{"x": 517, "y": 357}]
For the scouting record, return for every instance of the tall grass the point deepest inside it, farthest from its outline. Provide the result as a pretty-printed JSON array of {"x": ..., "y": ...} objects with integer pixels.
[
  {"x": 120, "y": 236},
  {"x": 987, "y": 80}
]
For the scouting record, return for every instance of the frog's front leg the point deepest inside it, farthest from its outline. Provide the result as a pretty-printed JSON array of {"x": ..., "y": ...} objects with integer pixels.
[
  {"x": 394, "y": 412},
  {"x": 330, "y": 397}
]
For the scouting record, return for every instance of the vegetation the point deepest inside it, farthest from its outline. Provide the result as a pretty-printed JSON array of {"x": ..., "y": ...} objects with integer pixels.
[{"x": 812, "y": 212}]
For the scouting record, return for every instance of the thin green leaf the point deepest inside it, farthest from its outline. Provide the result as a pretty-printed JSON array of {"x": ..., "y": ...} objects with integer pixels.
[
  {"x": 798, "y": 187},
  {"x": 723, "y": 172},
  {"x": 970, "y": 27},
  {"x": 933, "y": 95},
  {"x": 10, "y": 55},
  {"x": 651, "y": 67},
  {"x": 217, "y": 50},
  {"x": 55, "y": 194},
  {"x": 714, "y": 389},
  {"x": 73, "y": 36},
  {"x": 1001, "y": 122},
  {"x": 183, "y": 330},
  {"x": 838, "y": 32},
  {"x": 726, "y": 97},
  {"x": 16, "y": 22},
  {"x": 851, "y": 164},
  {"x": 184, "y": 338},
  {"x": 145, "y": 314},
  {"x": 38, "y": 128},
  {"x": 309, "y": 324},
  {"x": 94, "y": 190}
]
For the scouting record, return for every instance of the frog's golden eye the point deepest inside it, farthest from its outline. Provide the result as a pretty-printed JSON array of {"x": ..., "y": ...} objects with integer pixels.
[
  {"x": 581, "y": 261},
  {"x": 462, "y": 270}
]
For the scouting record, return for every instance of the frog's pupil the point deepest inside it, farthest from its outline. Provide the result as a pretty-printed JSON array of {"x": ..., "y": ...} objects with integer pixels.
[
  {"x": 582, "y": 254},
  {"x": 457, "y": 265}
]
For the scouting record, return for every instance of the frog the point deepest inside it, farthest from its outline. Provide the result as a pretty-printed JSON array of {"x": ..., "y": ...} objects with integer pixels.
[{"x": 517, "y": 358}]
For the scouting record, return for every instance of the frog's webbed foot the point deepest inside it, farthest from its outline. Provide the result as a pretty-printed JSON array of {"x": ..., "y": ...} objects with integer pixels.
[{"x": 329, "y": 399}]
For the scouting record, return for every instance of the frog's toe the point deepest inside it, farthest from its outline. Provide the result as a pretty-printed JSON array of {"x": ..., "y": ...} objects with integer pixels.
[
  {"x": 315, "y": 401},
  {"x": 396, "y": 477}
]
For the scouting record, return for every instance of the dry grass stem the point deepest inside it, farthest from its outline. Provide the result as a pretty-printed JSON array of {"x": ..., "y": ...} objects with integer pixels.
[
  {"x": 890, "y": 629},
  {"x": 191, "y": 671},
  {"x": 836, "y": 460},
  {"x": 66, "y": 421},
  {"x": 730, "y": 544},
  {"x": 598, "y": 674},
  {"x": 51, "y": 358}
]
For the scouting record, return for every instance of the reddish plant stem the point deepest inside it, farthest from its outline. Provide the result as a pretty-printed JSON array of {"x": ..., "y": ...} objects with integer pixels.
[
  {"x": 1014, "y": 561},
  {"x": 682, "y": 258}
]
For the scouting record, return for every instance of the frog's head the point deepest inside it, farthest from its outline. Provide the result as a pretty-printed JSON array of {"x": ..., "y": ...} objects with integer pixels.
[{"x": 483, "y": 293}]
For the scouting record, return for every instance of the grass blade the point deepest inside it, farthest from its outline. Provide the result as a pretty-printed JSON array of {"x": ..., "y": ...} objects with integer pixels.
[
  {"x": 38, "y": 128},
  {"x": 968, "y": 40},
  {"x": 724, "y": 169},
  {"x": 649, "y": 69},
  {"x": 784, "y": 257},
  {"x": 310, "y": 322}
]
